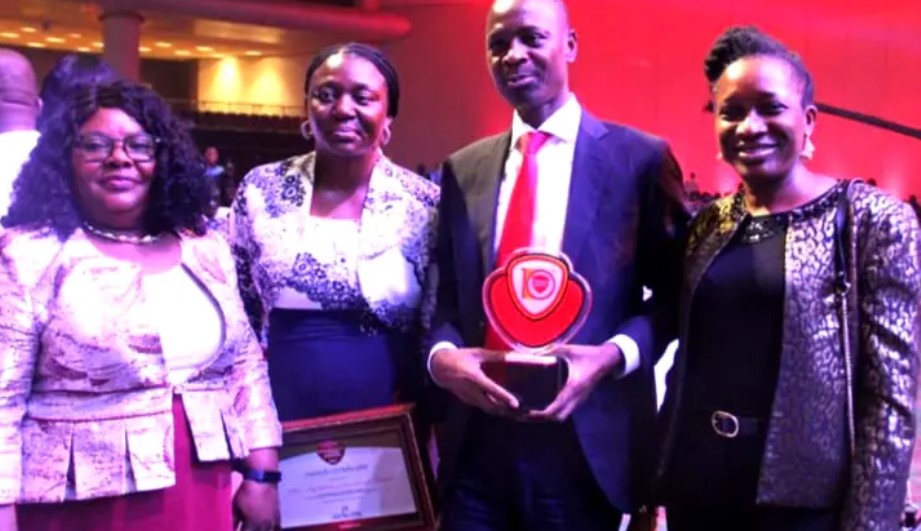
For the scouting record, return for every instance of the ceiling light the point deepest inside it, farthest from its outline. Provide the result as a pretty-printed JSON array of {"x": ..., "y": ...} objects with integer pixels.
[
  {"x": 97, "y": 44},
  {"x": 9, "y": 35},
  {"x": 204, "y": 48},
  {"x": 35, "y": 45},
  {"x": 74, "y": 35},
  {"x": 162, "y": 44},
  {"x": 28, "y": 29},
  {"x": 183, "y": 52},
  {"x": 144, "y": 49},
  {"x": 54, "y": 40},
  {"x": 253, "y": 53},
  {"x": 83, "y": 49}
]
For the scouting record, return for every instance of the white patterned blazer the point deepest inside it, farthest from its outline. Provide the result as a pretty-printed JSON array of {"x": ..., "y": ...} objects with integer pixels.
[
  {"x": 85, "y": 399},
  {"x": 274, "y": 239}
]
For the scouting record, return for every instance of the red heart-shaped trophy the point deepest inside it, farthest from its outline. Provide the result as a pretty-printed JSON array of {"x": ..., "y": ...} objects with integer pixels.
[{"x": 536, "y": 300}]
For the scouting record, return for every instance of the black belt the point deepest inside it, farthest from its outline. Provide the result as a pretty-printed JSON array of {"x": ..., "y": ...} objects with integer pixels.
[{"x": 727, "y": 425}]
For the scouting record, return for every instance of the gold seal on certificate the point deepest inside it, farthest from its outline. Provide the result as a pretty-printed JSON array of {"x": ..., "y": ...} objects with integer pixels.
[{"x": 356, "y": 470}]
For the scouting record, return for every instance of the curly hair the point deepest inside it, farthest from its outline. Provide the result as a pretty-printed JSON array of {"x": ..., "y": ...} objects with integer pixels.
[
  {"x": 43, "y": 194},
  {"x": 746, "y": 41},
  {"x": 369, "y": 53}
]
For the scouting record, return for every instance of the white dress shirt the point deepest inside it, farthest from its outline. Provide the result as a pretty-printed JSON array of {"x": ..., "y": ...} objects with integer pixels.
[
  {"x": 15, "y": 147},
  {"x": 554, "y": 174}
]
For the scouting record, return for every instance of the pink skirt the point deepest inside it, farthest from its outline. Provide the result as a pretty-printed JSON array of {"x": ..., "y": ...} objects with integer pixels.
[{"x": 201, "y": 499}]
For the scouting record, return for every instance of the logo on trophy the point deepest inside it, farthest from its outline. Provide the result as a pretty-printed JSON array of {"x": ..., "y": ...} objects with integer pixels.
[{"x": 534, "y": 302}]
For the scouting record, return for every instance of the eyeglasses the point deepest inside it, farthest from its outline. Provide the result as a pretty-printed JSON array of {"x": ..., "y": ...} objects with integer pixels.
[{"x": 97, "y": 147}]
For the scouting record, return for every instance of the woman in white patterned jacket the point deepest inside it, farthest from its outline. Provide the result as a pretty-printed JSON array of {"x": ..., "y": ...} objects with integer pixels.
[
  {"x": 129, "y": 375},
  {"x": 332, "y": 247}
]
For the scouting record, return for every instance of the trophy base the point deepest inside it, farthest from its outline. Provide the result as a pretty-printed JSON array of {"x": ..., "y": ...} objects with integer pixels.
[
  {"x": 530, "y": 359},
  {"x": 534, "y": 380}
]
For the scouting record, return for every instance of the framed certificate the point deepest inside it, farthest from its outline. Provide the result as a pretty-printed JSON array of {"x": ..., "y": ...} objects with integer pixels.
[{"x": 358, "y": 470}]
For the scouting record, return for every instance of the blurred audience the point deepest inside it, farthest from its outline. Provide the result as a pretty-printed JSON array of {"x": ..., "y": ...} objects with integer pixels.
[
  {"x": 690, "y": 186},
  {"x": 213, "y": 168}
]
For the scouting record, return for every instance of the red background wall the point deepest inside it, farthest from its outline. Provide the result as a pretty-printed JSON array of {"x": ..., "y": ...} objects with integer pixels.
[{"x": 640, "y": 63}]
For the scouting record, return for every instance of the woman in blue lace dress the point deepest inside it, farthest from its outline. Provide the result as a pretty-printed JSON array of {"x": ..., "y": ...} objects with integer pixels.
[{"x": 333, "y": 247}]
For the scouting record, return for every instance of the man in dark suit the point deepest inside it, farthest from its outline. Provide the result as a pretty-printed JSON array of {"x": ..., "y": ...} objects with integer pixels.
[{"x": 610, "y": 198}]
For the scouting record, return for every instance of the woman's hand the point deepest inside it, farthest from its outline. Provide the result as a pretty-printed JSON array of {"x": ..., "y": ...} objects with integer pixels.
[
  {"x": 255, "y": 507},
  {"x": 256, "y": 504}
]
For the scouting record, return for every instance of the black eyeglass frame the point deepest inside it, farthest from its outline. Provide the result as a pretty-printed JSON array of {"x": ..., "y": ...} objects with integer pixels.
[{"x": 109, "y": 144}]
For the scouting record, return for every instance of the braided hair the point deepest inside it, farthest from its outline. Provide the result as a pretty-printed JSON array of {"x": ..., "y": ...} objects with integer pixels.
[{"x": 747, "y": 41}]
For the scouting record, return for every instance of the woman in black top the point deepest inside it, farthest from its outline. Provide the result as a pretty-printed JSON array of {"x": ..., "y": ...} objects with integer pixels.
[{"x": 785, "y": 412}]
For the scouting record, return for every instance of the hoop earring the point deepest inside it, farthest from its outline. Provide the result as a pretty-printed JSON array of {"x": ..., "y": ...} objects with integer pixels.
[{"x": 305, "y": 131}]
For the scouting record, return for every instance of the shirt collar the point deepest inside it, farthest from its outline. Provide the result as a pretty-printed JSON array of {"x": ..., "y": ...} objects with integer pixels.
[{"x": 563, "y": 124}]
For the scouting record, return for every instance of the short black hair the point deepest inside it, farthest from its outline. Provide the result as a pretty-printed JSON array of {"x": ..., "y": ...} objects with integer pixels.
[
  {"x": 73, "y": 70},
  {"x": 746, "y": 41},
  {"x": 563, "y": 12},
  {"x": 43, "y": 194},
  {"x": 371, "y": 54}
]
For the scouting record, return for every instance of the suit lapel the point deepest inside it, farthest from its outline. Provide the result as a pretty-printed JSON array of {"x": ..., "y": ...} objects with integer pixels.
[
  {"x": 590, "y": 174},
  {"x": 484, "y": 196}
]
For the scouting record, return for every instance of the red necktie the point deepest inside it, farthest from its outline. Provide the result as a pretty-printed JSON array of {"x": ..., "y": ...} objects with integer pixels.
[{"x": 519, "y": 224}]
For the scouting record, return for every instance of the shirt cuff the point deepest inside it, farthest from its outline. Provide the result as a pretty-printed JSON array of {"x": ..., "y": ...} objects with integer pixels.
[
  {"x": 630, "y": 351},
  {"x": 439, "y": 346}
]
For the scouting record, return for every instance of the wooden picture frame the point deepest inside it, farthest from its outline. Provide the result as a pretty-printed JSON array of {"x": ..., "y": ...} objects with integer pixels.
[{"x": 358, "y": 470}]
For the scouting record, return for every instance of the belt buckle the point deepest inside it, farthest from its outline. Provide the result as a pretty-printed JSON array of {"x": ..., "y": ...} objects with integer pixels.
[{"x": 725, "y": 424}]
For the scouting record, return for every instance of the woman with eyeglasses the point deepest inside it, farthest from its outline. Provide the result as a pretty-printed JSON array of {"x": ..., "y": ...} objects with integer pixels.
[{"x": 129, "y": 375}]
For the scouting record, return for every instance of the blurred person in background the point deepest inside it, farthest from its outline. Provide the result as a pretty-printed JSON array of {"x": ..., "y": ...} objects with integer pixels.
[
  {"x": 19, "y": 108},
  {"x": 213, "y": 168}
]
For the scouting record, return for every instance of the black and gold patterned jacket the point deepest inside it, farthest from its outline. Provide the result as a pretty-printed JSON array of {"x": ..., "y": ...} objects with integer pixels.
[{"x": 807, "y": 456}]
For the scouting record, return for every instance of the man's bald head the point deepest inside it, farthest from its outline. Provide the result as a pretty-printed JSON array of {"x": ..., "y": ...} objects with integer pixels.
[{"x": 19, "y": 103}]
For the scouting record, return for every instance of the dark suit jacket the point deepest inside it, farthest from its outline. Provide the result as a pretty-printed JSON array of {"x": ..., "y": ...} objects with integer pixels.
[{"x": 624, "y": 225}]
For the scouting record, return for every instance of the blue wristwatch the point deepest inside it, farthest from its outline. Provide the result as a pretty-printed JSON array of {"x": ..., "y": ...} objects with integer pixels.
[{"x": 259, "y": 476}]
